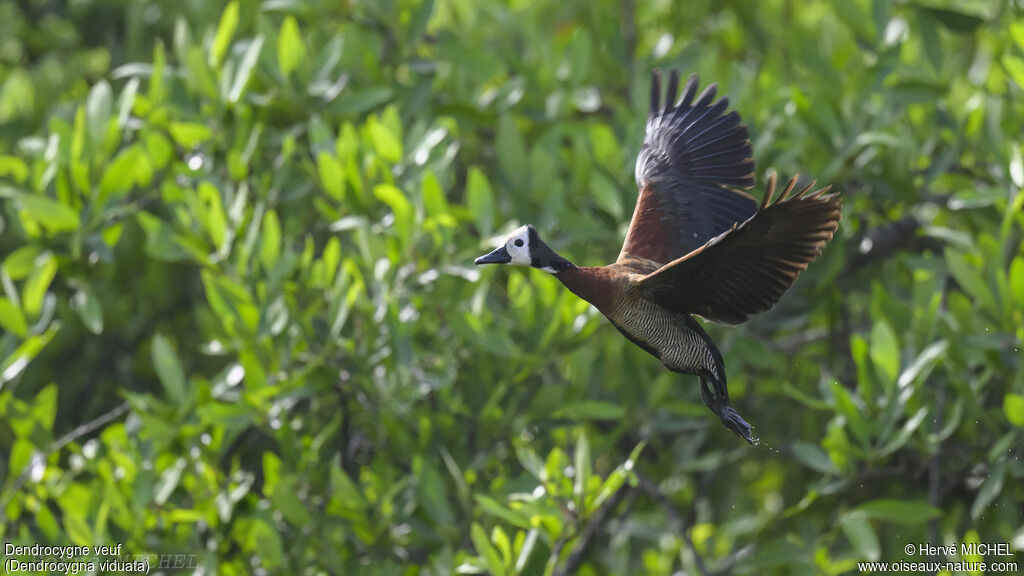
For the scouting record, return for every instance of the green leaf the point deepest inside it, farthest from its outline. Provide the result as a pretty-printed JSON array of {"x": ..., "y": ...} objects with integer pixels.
[
  {"x": 1013, "y": 407},
  {"x": 432, "y": 492},
  {"x": 266, "y": 543},
  {"x": 529, "y": 459},
  {"x": 16, "y": 363},
  {"x": 606, "y": 193},
  {"x": 612, "y": 484},
  {"x": 162, "y": 243},
  {"x": 885, "y": 353},
  {"x": 189, "y": 134},
  {"x": 200, "y": 75},
  {"x": 344, "y": 492},
  {"x": 511, "y": 151},
  {"x": 159, "y": 149},
  {"x": 356, "y": 102},
  {"x": 902, "y": 512},
  {"x": 245, "y": 68},
  {"x": 848, "y": 404},
  {"x": 814, "y": 457},
  {"x": 270, "y": 246},
  {"x": 332, "y": 175},
  {"x": 271, "y": 472},
  {"x": 384, "y": 142},
  {"x": 484, "y": 547},
  {"x": 1016, "y": 166},
  {"x": 582, "y": 465},
  {"x": 970, "y": 279},
  {"x": 290, "y": 49},
  {"x": 925, "y": 362},
  {"x": 50, "y": 214},
  {"x": 971, "y": 539},
  {"x": 906, "y": 431},
  {"x": 168, "y": 482},
  {"x": 225, "y": 32},
  {"x": 400, "y": 207},
  {"x": 1015, "y": 67},
  {"x": 14, "y": 168},
  {"x": 480, "y": 200},
  {"x": 231, "y": 302},
  {"x": 37, "y": 283},
  {"x": 605, "y": 144},
  {"x": 491, "y": 506},
  {"x": 990, "y": 489},
  {"x": 954, "y": 20},
  {"x": 862, "y": 537},
  {"x": 44, "y": 407},
  {"x": 11, "y": 318},
  {"x": 501, "y": 541},
  {"x": 185, "y": 516},
  {"x": 1017, "y": 32},
  {"x": 286, "y": 499},
  {"x": 78, "y": 530},
  {"x": 47, "y": 523},
  {"x": 156, "y": 79},
  {"x": 131, "y": 167},
  {"x": 19, "y": 263},
  {"x": 932, "y": 43},
  {"x": 168, "y": 369},
  {"x": 434, "y": 201},
  {"x": 21, "y": 454},
  {"x": 87, "y": 304},
  {"x": 212, "y": 214},
  {"x": 98, "y": 108}
]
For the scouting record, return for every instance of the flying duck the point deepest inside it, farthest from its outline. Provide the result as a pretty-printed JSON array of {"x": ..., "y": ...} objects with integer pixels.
[{"x": 696, "y": 245}]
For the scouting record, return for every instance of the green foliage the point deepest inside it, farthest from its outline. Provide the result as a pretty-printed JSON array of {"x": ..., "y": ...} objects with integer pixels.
[{"x": 236, "y": 244}]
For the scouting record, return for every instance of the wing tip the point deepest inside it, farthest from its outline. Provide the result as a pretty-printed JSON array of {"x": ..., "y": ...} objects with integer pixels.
[
  {"x": 655, "y": 93},
  {"x": 673, "y": 99},
  {"x": 789, "y": 189},
  {"x": 805, "y": 193},
  {"x": 673, "y": 89},
  {"x": 769, "y": 190}
]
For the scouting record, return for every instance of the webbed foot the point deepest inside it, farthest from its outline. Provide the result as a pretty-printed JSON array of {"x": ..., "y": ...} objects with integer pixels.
[
  {"x": 733, "y": 421},
  {"x": 717, "y": 400}
]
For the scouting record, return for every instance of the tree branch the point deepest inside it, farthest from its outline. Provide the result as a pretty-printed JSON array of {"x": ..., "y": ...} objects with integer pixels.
[
  {"x": 586, "y": 537},
  {"x": 86, "y": 428},
  {"x": 649, "y": 487}
]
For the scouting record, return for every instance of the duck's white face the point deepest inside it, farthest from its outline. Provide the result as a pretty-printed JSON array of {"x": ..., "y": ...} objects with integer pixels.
[
  {"x": 517, "y": 244},
  {"x": 524, "y": 247},
  {"x": 516, "y": 249}
]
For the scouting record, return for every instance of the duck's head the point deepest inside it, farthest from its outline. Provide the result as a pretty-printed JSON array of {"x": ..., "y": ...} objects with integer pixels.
[{"x": 523, "y": 247}]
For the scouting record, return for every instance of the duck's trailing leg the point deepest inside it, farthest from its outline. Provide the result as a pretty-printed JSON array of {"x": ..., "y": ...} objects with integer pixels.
[{"x": 718, "y": 401}]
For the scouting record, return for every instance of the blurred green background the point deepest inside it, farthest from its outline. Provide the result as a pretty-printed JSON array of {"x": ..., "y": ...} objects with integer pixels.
[{"x": 240, "y": 317}]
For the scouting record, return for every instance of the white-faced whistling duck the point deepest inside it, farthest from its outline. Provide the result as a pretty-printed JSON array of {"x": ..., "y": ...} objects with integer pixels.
[{"x": 695, "y": 245}]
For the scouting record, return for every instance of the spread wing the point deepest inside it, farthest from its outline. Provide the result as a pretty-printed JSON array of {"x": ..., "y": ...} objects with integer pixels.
[
  {"x": 746, "y": 269},
  {"x": 693, "y": 150}
]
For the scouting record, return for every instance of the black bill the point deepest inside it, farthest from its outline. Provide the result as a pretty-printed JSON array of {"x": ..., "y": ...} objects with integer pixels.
[{"x": 498, "y": 256}]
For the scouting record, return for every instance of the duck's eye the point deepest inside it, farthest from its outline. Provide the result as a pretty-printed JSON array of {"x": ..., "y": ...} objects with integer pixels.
[{"x": 519, "y": 242}]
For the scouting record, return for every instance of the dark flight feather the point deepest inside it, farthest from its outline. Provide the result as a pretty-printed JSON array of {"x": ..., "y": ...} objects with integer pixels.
[
  {"x": 693, "y": 149},
  {"x": 746, "y": 269}
]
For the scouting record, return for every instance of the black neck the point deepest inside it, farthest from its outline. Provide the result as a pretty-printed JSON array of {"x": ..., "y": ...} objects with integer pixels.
[
  {"x": 554, "y": 263},
  {"x": 542, "y": 256}
]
